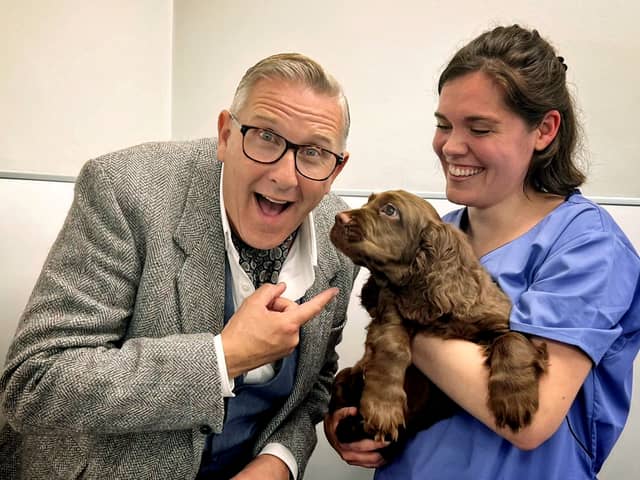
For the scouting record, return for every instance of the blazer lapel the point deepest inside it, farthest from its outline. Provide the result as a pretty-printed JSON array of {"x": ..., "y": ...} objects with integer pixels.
[
  {"x": 201, "y": 281},
  {"x": 312, "y": 340}
]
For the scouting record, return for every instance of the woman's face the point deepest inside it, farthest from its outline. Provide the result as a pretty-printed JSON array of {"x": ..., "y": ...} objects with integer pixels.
[{"x": 484, "y": 147}]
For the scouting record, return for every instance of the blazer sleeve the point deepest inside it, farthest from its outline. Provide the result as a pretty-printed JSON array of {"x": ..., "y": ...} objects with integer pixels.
[{"x": 70, "y": 367}]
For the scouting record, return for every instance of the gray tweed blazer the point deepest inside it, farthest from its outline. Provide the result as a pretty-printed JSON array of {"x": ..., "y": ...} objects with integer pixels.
[{"x": 112, "y": 372}]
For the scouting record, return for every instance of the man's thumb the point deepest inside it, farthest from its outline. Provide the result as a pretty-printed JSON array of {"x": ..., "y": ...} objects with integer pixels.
[{"x": 268, "y": 292}]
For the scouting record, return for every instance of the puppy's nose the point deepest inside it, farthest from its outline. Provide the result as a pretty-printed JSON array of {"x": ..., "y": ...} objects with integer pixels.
[{"x": 343, "y": 217}]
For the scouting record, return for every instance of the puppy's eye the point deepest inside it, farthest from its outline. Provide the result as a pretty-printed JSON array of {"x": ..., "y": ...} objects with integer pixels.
[{"x": 390, "y": 210}]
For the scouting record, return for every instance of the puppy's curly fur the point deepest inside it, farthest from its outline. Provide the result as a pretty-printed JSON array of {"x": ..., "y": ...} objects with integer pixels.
[{"x": 425, "y": 277}]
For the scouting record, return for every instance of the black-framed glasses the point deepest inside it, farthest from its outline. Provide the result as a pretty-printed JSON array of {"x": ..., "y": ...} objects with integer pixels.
[{"x": 265, "y": 146}]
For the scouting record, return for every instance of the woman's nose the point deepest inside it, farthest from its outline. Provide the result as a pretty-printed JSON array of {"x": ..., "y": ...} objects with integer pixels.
[{"x": 454, "y": 144}]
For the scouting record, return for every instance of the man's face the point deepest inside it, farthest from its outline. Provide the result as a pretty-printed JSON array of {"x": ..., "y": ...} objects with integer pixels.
[{"x": 265, "y": 203}]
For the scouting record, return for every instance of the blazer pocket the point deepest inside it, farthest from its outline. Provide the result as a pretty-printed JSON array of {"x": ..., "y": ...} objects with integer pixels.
[{"x": 54, "y": 457}]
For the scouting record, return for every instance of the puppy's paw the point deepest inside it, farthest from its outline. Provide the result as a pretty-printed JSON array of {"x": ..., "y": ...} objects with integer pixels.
[
  {"x": 516, "y": 365},
  {"x": 384, "y": 417},
  {"x": 515, "y": 412},
  {"x": 513, "y": 397}
]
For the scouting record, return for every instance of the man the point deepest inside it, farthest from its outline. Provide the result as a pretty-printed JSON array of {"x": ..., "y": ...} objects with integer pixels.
[{"x": 145, "y": 350}]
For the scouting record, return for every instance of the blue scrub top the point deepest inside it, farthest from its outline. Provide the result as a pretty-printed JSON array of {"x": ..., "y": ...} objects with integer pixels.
[{"x": 573, "y": 278}]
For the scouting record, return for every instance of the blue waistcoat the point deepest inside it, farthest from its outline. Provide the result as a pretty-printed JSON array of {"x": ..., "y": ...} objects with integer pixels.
[{"x": 245, "y": 414}]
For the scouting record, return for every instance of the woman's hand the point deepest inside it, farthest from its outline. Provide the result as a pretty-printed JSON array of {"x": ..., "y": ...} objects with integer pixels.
[{"x": 363, "y": 453}]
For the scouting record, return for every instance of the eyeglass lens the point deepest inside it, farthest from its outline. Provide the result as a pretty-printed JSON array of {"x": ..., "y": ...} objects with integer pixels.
[{"x": 266, "y": 146}]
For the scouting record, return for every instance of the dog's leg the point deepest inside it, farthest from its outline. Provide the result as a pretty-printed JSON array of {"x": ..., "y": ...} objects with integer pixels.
[
  {"x": 516, "y": 365},
  {"x": 384, "y": 401},
  {"x": 370, "y": 295},
  {"x": 346, "y": 392}
]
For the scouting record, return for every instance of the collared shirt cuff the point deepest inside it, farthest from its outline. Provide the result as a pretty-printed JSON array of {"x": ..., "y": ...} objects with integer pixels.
[
  {"x": 226, "y": 383},
  {"x": 284, "y": 454}
]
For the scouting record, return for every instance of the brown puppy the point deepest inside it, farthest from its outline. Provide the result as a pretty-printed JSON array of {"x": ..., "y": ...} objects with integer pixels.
[{"x": 425, "y": 277}]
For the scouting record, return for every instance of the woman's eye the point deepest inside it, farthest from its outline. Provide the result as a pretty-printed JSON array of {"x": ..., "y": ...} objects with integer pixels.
[
  {"x": 480, "y": 131},
  {"x": 441, "y": 126},
  {"x": 389, "y": 210}
]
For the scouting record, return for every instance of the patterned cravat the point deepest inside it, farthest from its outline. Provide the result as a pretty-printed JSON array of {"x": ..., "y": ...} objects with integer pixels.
[{"x": 263, "y": 266}]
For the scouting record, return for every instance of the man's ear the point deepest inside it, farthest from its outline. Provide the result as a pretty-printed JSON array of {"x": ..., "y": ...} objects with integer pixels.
[
  {"x": 337, "y": 171},
  {"x": 547, "y": 129},
  {"x": 224, "y": 131},
  {"x": 328, "y": 182}
]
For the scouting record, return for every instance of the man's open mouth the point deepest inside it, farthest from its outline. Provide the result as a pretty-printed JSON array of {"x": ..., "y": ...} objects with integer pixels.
[{"x": 271, "y": 206}]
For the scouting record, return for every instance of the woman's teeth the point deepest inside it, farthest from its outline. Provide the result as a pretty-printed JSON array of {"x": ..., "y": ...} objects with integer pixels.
[{"x": 463, "y": 171}]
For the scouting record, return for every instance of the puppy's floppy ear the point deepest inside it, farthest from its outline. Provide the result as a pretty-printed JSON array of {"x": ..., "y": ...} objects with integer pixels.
[
  {"x": 448, "y": 266},
  {"x": 433, "y": 242}
]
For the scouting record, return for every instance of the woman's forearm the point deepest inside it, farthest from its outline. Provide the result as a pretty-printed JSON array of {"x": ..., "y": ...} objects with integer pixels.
[{"x": 457, "y": 367}]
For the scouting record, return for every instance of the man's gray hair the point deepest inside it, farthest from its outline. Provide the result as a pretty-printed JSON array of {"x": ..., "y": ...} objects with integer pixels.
[{"x": 295, "y": 68}]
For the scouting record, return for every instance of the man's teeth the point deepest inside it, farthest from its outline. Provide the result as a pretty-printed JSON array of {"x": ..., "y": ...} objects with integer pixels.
[
  {"x": 463, "y": 171},
  {"x": 273, "y": 200}
]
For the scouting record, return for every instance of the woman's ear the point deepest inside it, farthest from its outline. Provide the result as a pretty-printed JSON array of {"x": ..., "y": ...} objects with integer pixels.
[{"x": 547, "y": 129}]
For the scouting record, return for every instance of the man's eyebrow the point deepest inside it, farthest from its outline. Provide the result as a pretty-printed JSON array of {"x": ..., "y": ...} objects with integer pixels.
[
  {"x": 318, "y": 139},
  {"x": 266, "y": 119},
  {"x": 323, "y": 142}
]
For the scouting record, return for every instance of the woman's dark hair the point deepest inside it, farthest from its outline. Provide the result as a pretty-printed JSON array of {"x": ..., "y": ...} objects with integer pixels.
[{"x": 533, "y": 80}]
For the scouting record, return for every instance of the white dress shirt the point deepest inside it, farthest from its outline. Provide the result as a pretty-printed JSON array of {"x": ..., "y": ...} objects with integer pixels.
[{"x": 298, "y": 274}]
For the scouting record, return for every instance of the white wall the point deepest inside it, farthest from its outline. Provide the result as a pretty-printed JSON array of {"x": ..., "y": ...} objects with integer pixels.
[
  {"x": 32, "y": 212},
  {"x": 80, "y": 78},
  {"x": 388, "y": 55}
]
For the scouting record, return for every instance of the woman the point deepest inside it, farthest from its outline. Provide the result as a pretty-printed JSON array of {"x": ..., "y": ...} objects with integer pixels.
[{"x": 506, "y": 134}]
